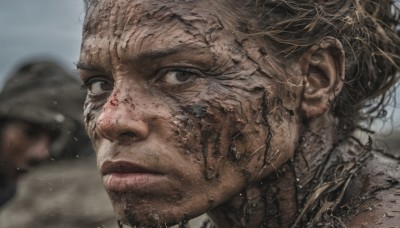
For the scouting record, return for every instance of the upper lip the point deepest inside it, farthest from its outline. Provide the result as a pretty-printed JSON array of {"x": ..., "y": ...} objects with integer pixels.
[{"x": 123, "y": 167}]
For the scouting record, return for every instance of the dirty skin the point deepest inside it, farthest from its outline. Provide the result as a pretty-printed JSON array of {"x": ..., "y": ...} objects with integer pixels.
[
  {"x": 223, "y": 134},
  {"x": 220, "y": 120}
]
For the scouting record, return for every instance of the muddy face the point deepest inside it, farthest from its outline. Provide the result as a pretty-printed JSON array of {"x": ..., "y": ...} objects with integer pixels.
[{"x": 183, "y": 112}]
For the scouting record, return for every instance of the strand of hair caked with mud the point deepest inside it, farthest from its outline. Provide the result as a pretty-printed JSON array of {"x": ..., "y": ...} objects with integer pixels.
[{"x": 369, "y": 31}]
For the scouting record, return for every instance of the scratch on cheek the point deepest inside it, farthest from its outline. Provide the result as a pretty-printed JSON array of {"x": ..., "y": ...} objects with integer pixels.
[{"x": 114, "y": 102}]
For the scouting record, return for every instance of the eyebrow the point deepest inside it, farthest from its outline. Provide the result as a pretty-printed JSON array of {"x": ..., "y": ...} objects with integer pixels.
[
  {"x": 155, "y": 54},
  {"x": 158, "y": 54},
  {"x": 84, "y": 66},
  {"x": 152, "y": 55}
]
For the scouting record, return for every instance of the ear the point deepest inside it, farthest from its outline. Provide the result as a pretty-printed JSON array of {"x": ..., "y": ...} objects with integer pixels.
[{"x": 323, "y": 69}]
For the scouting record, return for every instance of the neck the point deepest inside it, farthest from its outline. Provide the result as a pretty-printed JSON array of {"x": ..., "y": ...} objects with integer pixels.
[{"x": 276, "y": 200}]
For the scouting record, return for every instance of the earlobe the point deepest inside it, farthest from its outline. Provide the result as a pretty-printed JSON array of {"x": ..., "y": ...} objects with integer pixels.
[{"x": 323, "y": 69}]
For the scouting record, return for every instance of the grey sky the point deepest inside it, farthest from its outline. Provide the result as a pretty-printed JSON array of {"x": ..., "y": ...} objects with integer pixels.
[{"x": 39, "y": 29}]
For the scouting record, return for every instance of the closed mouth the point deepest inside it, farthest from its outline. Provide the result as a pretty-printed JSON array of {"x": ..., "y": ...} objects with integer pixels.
[
  {"x": 124, "y": 167},
  {"x": 124, "y": 176}
]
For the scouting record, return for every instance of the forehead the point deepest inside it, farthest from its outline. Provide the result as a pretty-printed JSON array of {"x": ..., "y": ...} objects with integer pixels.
[
  {"x": 118, "y": 16},
  {"x": 120, "y": 29}
]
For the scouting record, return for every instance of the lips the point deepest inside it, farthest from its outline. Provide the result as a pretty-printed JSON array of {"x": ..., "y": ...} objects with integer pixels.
[
  {"x": 122, "y": 176},
  {"x": 123, "y": 167}
]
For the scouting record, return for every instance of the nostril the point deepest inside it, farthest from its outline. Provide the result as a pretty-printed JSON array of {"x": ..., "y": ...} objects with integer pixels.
[
  {"x": 119, "y": 125},
  {"x": 128, "y": 135}
]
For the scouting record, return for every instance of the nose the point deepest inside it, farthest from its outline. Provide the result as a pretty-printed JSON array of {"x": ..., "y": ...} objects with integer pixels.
[{"x": 120, "y": 121}]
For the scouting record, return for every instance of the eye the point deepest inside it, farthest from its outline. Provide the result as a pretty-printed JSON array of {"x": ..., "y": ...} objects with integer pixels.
[
  {"x": 98, "y": 86},
  {"x": 176, "y": 77},
  {"x": 32, "y": 130}
]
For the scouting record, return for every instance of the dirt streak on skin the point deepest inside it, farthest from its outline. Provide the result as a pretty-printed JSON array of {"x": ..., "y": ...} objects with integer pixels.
[
  {"x": 235, "y": 121},
  {"x": 224, "y": 120},
  {"x": 161, "y": 13}
]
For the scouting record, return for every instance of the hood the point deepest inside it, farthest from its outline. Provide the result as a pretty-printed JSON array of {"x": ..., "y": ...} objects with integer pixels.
[{"x": 43, "y": 93}]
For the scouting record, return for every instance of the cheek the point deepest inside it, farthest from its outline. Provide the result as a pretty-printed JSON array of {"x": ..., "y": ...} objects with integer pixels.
[
  {"x": 91, "y": 112},
  {"x": 225, "y": 133}
]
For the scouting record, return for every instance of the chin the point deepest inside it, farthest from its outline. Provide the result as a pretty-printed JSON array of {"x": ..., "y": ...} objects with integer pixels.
[
  {"x": 147, "y": 211},
  {"x": 142, "y": 218}
]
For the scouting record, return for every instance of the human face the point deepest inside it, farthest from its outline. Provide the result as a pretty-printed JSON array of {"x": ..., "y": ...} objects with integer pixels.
[
  {"x": 183, "y": 112},
  {"x": 22, "y": 146}
]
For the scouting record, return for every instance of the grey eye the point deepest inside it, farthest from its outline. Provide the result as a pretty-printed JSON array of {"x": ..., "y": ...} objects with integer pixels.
[
  {"x": 99, "y": 86},
  {"x": 176, "y": 77}
]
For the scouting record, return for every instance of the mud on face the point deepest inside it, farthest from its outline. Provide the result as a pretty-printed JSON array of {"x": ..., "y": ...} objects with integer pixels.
[{"x": 173, "y": 89}]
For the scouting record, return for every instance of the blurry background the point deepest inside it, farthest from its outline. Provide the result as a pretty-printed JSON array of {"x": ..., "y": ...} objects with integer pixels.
[
  {"x": 59, "y": 194},
  {"x": 39, "y": 29},
  {"x": 68, "y": 193}
]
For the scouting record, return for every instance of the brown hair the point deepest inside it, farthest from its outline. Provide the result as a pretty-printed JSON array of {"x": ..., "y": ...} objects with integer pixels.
[{"x": 369, "y": 31}]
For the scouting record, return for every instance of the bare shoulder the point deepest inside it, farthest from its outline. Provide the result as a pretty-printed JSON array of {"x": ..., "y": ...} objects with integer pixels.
[{"x": 373, "y": 198}]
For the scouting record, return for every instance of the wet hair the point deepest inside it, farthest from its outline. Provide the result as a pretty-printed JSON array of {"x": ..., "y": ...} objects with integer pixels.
[
  {"x": 370, "y": 34},
  {"x": 369, "y": 31}
]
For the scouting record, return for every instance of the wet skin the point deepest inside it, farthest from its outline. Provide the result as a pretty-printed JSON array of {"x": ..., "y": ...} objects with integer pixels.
[
  {"x": 183, "y": 111},
  {"x": 22, "y": 146}
]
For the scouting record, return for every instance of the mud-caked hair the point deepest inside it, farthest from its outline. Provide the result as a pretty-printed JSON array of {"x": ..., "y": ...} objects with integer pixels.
[{"x": 369, "y": 31}]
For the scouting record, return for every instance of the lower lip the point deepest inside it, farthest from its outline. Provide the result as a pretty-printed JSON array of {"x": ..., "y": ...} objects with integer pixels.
[{"x": 123, "y": 182}]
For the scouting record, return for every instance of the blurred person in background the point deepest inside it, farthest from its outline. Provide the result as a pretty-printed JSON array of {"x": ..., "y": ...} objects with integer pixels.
[{"x": 40, "y": 118}]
